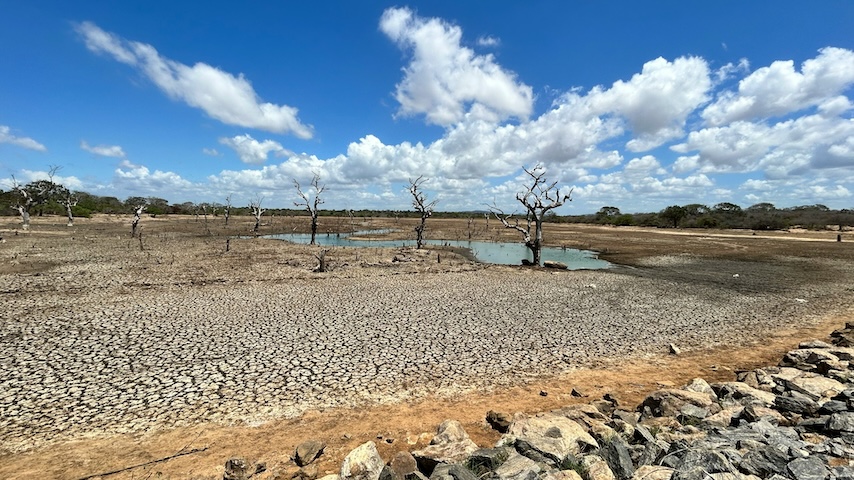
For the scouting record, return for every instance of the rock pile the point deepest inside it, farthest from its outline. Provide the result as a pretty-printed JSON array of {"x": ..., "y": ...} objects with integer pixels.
[{"x": 792, "y": 421}]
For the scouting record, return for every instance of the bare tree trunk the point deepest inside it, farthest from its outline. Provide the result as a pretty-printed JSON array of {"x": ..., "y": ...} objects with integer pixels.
[
  {"x": 257, "y": 211},
  {"x": 22, "y": 206},
  {"x": 313, "y": 226},
  {"x": 311, "y": 205},
  {"x": 227, "y": 209},
  {"x": 137, "y": 215},
  {"x": 538, "y": 199},
  {"x": 25, "y": 217},
  {"x": 423, "y": 207},
  {"x": 70, "y": 203},
  {"x": 321, "y": 260}
]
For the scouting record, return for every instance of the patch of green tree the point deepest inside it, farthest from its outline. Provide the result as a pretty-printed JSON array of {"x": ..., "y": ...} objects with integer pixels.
[{"x": 762, "y": 216}]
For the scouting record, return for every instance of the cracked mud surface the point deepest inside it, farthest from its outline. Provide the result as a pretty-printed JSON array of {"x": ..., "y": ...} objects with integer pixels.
[{"x": 100, "y": 335}]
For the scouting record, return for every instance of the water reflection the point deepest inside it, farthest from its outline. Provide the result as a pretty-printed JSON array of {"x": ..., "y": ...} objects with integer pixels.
[{"x": 500, "y": 253}]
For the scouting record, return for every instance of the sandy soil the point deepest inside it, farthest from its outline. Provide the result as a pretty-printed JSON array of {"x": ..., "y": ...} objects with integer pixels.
[{"x": 181, "y": 253}]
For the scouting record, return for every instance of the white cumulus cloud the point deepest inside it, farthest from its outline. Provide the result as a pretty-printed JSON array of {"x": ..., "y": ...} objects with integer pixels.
[
  {"x": 252, "y": 151},
  {"x": 779, "y": 89},
  {"x": 113, "y": 151},
  {"x": 70, "y": 182},
  {"x": 25, "y": 142},
  {"x": 657, "y": 101},
  {"x": 446, "y": 80},
  {"x": 488, "y": 41},
  {"x": 223, "y": 96}
]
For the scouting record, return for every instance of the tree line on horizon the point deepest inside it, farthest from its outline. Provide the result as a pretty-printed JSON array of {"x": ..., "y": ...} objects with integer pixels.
[
  {"x": 761, "y": 216},
  {"x": 49, "y": 198}
]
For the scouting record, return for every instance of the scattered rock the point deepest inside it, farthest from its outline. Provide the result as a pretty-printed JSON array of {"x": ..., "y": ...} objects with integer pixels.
[
  {"x": 791, "y": 422},
  {"x": 363, "y": 463},
  {"x": 452, "y": 472},
  {"x": 742, "y": 393},
  {"x": 597, "y": 468},
  {"x": 518, "y": 467},
  {"x": 498, "y": 421},
  {"x": 402, "y": 464},
  {"x": 652, "y": 472},
  {"x": 554, "y": 264},
  {"x": 308, "y": 452},
  {"x": 563, "y": 475},
  {"x": 451, "y": 444},
  {"x": 237, "y": 468},
  {"x": 809, "y": 468},
  {"x": 841, "y": 422},
  {"x": 616, "y": 454},
  {"x": 487, "y": 459},
  {"x": 553, "y": 436},
  {"x": 668, "y": 402}
]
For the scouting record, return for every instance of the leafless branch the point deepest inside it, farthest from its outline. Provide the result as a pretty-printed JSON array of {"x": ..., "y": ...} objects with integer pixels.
[
  {"x": 539, "y": 198},
  {"x": 311, "y": 203},
  {"x": 257, "y": 211},
  {"x": 422, "y": 206}
]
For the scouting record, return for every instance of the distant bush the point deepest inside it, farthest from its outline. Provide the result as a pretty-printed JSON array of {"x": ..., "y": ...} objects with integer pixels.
[
  {"x": 81, "y": 212},
  {"x": 624, "y": 220}
]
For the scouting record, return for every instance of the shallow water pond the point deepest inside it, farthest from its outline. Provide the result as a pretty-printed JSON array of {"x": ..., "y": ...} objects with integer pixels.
[{"x": 500, "y": 253}]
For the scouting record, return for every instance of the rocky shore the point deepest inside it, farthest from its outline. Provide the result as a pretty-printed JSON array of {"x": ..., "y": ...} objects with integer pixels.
[{"x": 793, "y": 421}]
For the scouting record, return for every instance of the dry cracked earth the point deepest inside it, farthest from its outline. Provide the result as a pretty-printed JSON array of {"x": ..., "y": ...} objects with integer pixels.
[{"x": 102, "y": 334}]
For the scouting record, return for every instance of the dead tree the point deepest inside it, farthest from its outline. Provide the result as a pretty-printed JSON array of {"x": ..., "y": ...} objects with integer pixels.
[
  {"x": 137, "y": 215},
  {"x": 227, "y": 209},
  {"x": 310, "y": 204},
  {"x": 23, "y": 204},
  {"x": 353, "y": 224},
  {"x": 257, "y": 211},
  {"x": 423, "y": 207},
  {"x": 69, "y": 201},
  {"x": 538, "y": 199},
  {"x": 321, "y": 261}
]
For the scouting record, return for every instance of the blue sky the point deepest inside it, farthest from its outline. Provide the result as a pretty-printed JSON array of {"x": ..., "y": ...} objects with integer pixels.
[{"x": 637, "y": 105}]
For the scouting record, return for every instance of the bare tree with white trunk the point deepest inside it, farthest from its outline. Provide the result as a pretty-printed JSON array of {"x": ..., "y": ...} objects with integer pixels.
[
  {"x": 25, "y": 201},
  {"x": 311, "y": 201},
  {"x": 257, "y": 211},
  {"x": 137, "y": 216},
  {"x": 538, "y": 199},
  {"x": 422, "y": 206},
  {"x": 69, "y": 201}
]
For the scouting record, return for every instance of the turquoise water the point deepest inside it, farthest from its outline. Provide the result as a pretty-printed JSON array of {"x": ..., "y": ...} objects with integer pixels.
[{"x": 486, "y": 252}]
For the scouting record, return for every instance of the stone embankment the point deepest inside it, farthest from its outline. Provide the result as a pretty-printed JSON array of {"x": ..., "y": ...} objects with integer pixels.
[{"x": 792, "y": 421}]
